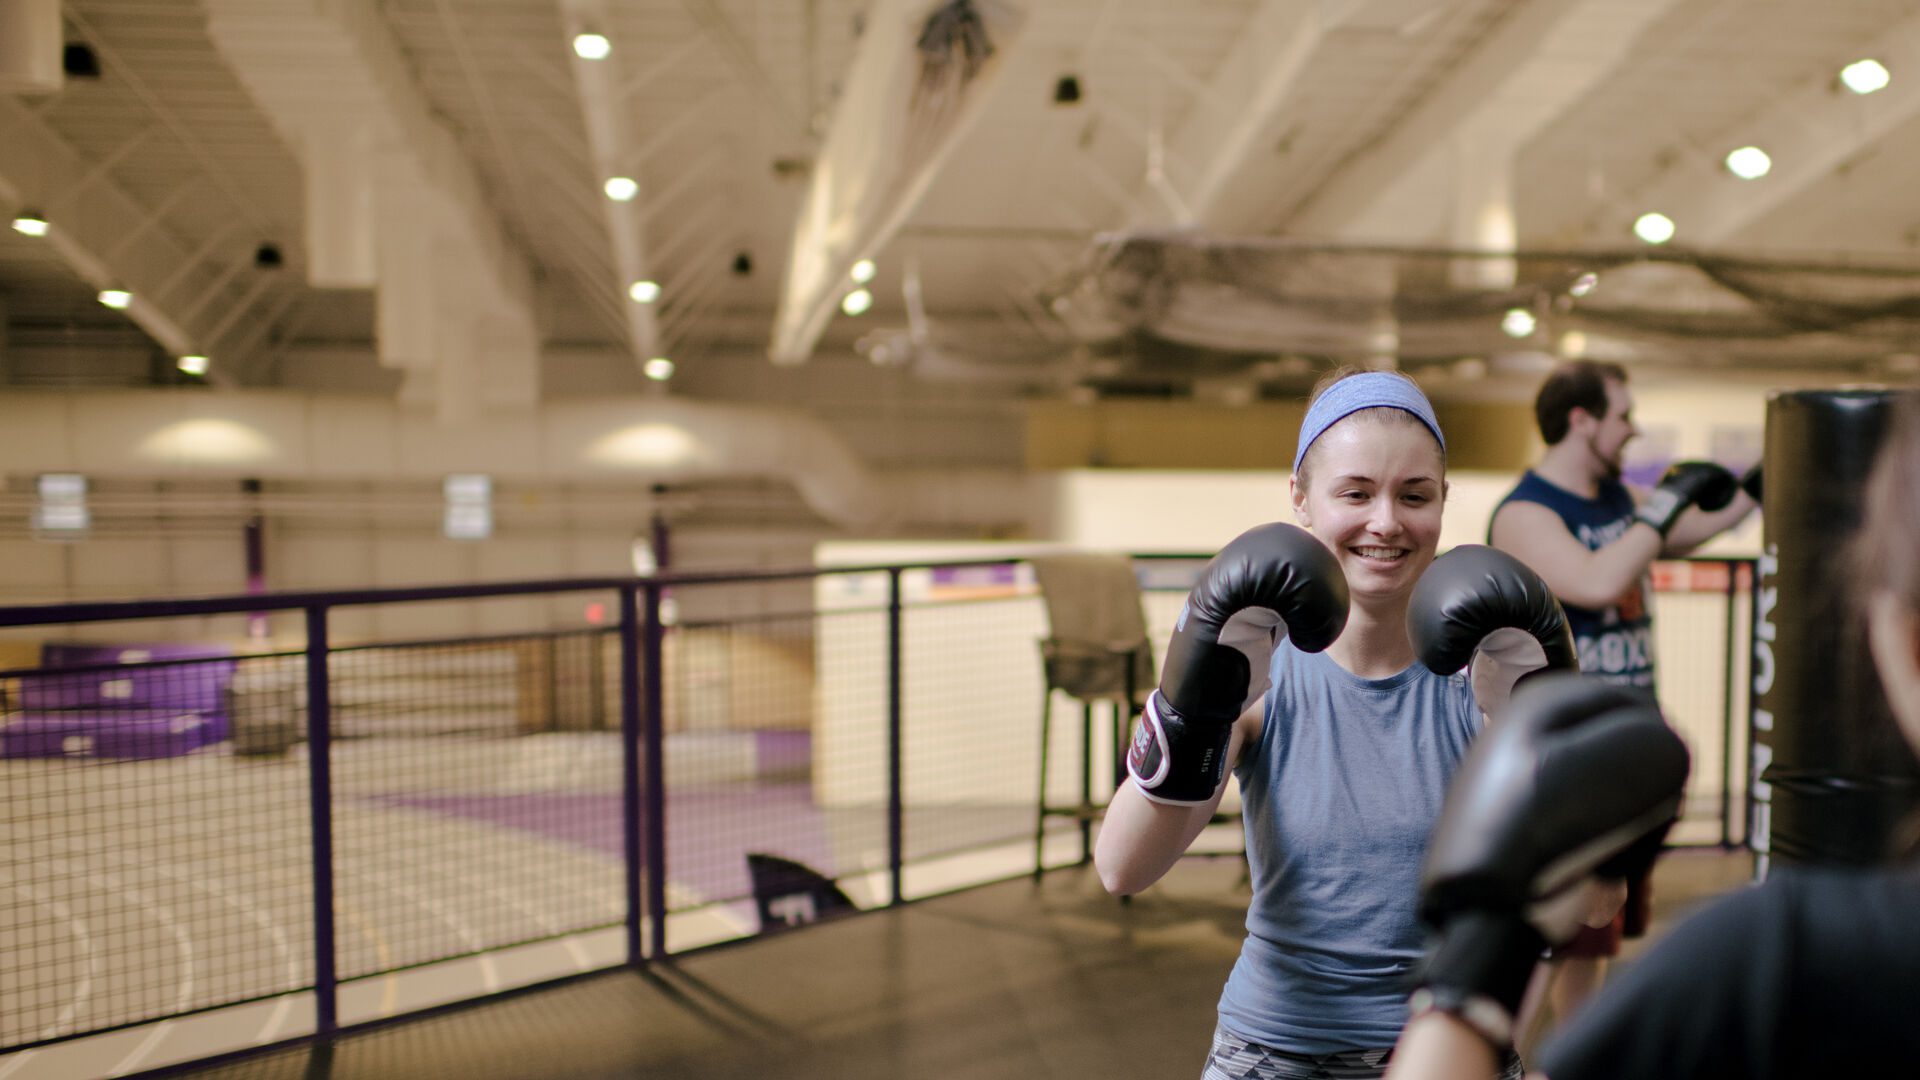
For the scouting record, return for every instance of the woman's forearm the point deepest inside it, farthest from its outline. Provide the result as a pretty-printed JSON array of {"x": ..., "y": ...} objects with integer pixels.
[
  {"x": 1439, "y": 1046},
  {"x": 1140, "y": 839}
]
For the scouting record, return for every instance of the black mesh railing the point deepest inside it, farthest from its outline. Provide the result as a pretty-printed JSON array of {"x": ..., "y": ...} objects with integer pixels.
[
  {"x": 476, "y": 803},
  {"x": 1703, "y": 646},
  {"x": 434, "y": 794}
]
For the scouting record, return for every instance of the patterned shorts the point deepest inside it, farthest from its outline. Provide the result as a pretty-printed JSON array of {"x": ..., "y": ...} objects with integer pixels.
[{"x": 1234, "y": 1058}]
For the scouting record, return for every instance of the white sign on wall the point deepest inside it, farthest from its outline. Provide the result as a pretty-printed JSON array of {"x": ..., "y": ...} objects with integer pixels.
[
  {"x": 469, "y": 507},
  {"x": 62, "y": 511}
]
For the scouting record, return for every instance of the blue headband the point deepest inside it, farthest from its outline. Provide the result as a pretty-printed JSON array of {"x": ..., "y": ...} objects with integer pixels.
[{"x": 1367, "y": 390}]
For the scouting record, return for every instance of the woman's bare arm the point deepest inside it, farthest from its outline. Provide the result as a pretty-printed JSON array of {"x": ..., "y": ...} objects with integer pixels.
[{"x": 1140, "y": 839}]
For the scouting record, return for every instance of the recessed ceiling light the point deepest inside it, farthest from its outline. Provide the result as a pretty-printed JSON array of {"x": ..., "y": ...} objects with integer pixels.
[
  {"x": 1518, "y": 322},
  {"x": 1749, "y": 163},
  {"x": 1584, "y": 284},
  {"x": 591, "y": 46},
  {"x": 30, "y": 223},
  {"x": 193, "y": 365},
  {"x": 1865, "y": 76},
  {"x": 863, "y": 271},
  {"x": 117, "y": 299},
  {"x": 659, "y": 369},
  {"x": 857, "y": 302},
  {"x": 622, "y": 188},
  {"x": 644, "y": 292},
  {"x": 1653, "y": 227},
  {"x": 1573, "y": 344}
]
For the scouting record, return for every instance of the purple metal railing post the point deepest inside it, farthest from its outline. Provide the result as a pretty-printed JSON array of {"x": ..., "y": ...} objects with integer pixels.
[
  {"x": 630, "y": 770},
  {"x": 896, "y": 827},
  {"x": 653, "y": 730},
  {"x": 326, "y": 981}
]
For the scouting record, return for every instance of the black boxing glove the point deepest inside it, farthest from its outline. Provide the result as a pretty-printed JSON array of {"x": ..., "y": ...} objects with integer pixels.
[
  {"x": 1581, "y": 779},
  {"x": 1752, "y": 484},
  {"x": 1687, "y": 483},
  {"x": 1482, "y": 606},
  {"x": 1271, "y": 582}
]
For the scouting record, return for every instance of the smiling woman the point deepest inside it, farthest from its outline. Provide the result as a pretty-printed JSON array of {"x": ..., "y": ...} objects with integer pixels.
[{"x": 1343, "y": 759}]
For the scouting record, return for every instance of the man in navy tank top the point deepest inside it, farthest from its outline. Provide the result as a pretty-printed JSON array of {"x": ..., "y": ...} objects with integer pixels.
[{"x": 1593, "y": 538}]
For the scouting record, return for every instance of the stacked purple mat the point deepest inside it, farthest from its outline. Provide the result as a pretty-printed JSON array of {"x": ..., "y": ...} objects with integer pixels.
[{"x": 120, "y": 701}]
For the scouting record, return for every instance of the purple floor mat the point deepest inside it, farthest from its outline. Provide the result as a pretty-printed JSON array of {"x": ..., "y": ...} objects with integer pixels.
[
  {"x": 183, "y": 678},
  {"x": 109, "y": 733},
  {"x": 711, "y": 829},
  {"x": 783, "y": 753}
]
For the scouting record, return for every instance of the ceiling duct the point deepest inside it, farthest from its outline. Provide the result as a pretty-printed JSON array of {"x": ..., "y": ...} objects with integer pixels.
[
  {"x": 393, "y": 204},
  {"x": 280, "y": 435}
]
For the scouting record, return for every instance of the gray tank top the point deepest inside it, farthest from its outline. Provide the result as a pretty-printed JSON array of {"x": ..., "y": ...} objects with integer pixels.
[{"x": 1338, "y": 797}]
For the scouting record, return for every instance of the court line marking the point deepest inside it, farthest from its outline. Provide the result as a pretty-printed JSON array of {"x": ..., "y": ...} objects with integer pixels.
[
  {"x": 271, "y": 869},
  {"x": 489, "y": 975},
  {"x": 79, "y": 927},
  {"x": 275, "y": 933},
  {"x": 581, "y": 879},
  {"x": 479, "y": 842},
  {"x": 472, "y": 842},
  {"x": 390, "y": 989},
  {"x": 185, "y": 942},
  {"x": 475, "y": 886}
]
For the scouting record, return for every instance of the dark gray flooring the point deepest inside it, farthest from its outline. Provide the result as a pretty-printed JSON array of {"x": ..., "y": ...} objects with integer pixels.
[{"x": 1054, "y": 979}]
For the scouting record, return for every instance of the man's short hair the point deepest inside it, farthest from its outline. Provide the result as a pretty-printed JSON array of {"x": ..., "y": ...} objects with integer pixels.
[{"x": 1578, "y": 384}]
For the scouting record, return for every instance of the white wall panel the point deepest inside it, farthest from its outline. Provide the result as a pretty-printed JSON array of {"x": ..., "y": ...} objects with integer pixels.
[
  {"x": 121, "y": 568},
  {"x": 352, "y": 438}
]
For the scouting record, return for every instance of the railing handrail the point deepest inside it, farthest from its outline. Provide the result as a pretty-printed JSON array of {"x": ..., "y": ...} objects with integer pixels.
[{"x": 237, "y": 604}]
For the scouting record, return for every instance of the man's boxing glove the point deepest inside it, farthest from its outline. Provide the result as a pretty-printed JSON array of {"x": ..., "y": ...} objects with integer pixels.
[
  {"x": 1753, "y": 482},
  {"x": 1580, "y": 779},
  {"x": 1482, "y": 606},
  {"x": 1271, "y": 582},
  {"x": 1688, "y": 483}
]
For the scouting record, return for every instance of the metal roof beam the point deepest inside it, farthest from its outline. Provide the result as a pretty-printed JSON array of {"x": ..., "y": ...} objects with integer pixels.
[{"x": 37, "y": 166}]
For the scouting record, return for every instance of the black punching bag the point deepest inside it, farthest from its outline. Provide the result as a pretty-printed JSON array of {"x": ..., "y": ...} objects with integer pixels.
[{"x": 1832, "y": 777}]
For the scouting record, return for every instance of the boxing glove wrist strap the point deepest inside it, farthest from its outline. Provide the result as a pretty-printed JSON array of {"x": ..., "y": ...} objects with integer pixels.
[
  {"x": 1479, "y": 970},
  {"x": 1484, "y": 1016},
  {"x": 1175, "y": 760},
  {"x": 1661, "y": 509}
]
